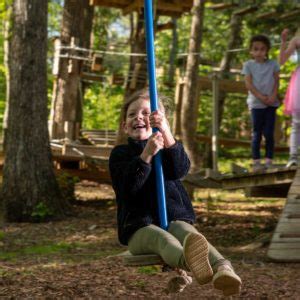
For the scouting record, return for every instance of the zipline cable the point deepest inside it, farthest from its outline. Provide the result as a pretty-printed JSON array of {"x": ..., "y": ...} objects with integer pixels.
[{"x": 160, "y": 188}]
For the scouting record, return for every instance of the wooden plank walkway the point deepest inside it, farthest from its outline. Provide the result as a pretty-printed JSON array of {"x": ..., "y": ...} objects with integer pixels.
[
  {"x": 285, "y": 243},
  {"x": 274, "y": 176},
  {"x": 100, "y": 137}
]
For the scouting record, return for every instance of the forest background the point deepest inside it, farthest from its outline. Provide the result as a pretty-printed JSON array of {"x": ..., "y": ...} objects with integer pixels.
[
  {"x": 102, "y": 101},
  {"x": 75, "y": 256}
]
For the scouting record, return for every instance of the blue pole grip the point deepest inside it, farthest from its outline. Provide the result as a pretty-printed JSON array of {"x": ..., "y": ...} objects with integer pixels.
[{"x": 160, "y": 187}]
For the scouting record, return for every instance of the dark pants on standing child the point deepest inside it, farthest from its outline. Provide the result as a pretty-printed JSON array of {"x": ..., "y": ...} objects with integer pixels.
[{"x": 263, "y": 123}]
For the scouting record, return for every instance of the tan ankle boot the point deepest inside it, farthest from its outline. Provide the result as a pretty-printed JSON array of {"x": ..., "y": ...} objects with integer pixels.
[
  {"x": 227, "y": 281},
  {"x": 195, "y": 250}
]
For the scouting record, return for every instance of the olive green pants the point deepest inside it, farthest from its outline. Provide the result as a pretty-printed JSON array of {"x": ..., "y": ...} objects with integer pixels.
[{"x": 168, "y": 244}]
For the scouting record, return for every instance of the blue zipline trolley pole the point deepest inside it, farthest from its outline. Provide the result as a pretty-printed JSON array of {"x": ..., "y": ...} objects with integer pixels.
[{"x": 160, "y": 187}]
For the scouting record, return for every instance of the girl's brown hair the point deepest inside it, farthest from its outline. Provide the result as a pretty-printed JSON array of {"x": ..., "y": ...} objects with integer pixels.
[{"x": 164, "y": 102}]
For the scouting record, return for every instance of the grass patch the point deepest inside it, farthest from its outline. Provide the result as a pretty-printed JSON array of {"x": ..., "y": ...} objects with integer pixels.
[
  {"x": 149, "y": 270},
  {"x": 38, "y": 250},
  {"x": 68, "y": 252}
]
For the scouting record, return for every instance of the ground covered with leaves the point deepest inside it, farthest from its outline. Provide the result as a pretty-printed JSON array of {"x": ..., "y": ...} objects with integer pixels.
[{"x": 75, "y": 258}]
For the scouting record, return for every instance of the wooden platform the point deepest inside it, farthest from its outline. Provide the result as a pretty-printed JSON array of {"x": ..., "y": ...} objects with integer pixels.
[
  {"x": 89, "y": 162},
  {"x": 285, "y": 243},
  {"x": 271, "y": 177}
]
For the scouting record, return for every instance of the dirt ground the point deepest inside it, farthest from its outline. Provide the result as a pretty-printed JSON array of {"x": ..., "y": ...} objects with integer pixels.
[{"x": 75, "y": 258}]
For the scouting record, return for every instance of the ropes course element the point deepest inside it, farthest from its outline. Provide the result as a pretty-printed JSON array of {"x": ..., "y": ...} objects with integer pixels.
[
  {"x": 91, "y": 51},
  {"x": 160, "y": 188}
]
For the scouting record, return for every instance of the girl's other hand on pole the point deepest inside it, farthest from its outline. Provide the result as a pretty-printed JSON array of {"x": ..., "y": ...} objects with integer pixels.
[
  {"x": 154, "y": 144},
  {"x": 158, "y": 120}
]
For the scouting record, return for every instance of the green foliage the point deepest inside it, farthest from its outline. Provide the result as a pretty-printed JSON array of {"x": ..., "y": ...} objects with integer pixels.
[
  {"x": 102, "y": 107},
  {"x": 54, "y": 17},
  {"x": 66, "y": 184},
  {"x": 2, "y": 235},
  {"x": 4, "y": 13},
  {"x": 149, "y": 270},
  {"x": 41, "y": 212},
  {"x": 111, "y": 31},
  {"x": 55, "y": 8}
]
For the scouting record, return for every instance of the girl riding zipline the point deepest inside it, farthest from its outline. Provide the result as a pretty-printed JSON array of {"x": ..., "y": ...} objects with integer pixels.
[{"x": 133, "y": 179}]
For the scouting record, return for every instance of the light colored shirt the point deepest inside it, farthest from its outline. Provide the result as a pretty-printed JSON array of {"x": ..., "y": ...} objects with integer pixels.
[{"x": 262, "y": 79}]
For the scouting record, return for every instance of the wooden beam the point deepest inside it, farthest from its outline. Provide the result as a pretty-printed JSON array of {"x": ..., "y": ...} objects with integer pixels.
[
  {"x": 295, "y": 13},
  {"x": 226, "y": 85},
  {"x": 110, "y": 3},
  {"x": 221, "y": 6},
  {"x": 176, "y": 8},
  {"x": 170, "y": 7},
  {"x": 133, "y": 6},
  {"x": 161, "y": 27},
  {"x": 162, "y": 8},
  {"x": 246, "y": 10},
  {"x": 85, "y": 150},
  {"x": 268, "y": 15}
]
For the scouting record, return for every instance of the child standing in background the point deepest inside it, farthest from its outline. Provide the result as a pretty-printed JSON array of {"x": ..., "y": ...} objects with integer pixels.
[
  {"x": 262, "y": 77},
  {"x": 292, "y": 97}
]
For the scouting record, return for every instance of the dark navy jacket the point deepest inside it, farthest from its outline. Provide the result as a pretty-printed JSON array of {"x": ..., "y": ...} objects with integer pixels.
[{"x": 134, "y": 184}]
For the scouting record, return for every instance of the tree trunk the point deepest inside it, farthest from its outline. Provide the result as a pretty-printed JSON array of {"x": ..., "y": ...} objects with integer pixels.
[
  {"x": 137, "y": 73},
  {"x": 66, "y": 100},
  {"x": 190, "y": 93},
  {"x": 30, "y": 191},
  {"x": 233, "y": 42},
  {"x": 173, "y": 54}
]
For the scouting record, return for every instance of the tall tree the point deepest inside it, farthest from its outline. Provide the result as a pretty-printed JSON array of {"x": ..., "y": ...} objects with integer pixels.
[
  {"x": 173, "y": 54},
  {"x": 137, "y": 72},
  {"x": 29, "y": 184},
  {"x": 234, "y": 41},
  {"x": 190, "y": 98},
  {"x": 66, "y": 100}
]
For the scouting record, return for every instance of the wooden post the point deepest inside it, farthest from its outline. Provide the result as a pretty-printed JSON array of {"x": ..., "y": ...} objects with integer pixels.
[
  {"x": 178, "y": 104},
  {"x": 215, "y": 123},
  {"x": 69, "y": 131},
  {"x": 57, "y": 45}
]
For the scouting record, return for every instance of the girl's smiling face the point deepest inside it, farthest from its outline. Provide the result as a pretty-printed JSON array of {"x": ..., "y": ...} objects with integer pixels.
[{"x": 137, "y": 124}]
